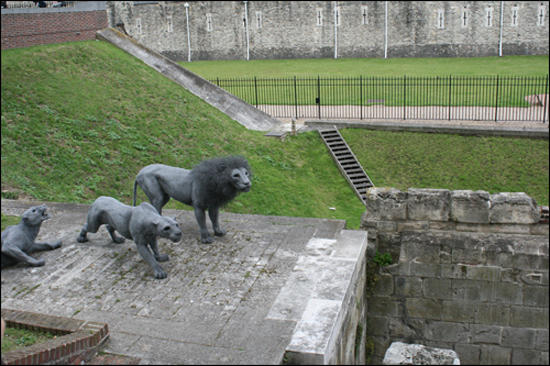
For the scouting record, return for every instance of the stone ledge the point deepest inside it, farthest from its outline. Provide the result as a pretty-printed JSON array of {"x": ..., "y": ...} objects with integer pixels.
[
  {"x": 321, "y": 299},
  {"x": 76, "y": 341},
  {"x": 523, "y": 132}
]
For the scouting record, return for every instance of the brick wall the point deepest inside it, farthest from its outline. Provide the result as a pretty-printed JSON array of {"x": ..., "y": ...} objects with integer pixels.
[
  {"x": 470, "y": 274},
  {"x": 38, "y": 26},
  {"x": 76, "y": 342}
]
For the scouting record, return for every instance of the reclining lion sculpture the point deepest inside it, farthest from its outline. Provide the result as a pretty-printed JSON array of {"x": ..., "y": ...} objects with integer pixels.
[
  {"x": 141, "y": 224},
  {"x": 19, "y": 240},
  {"x": 210, "y": 185}
]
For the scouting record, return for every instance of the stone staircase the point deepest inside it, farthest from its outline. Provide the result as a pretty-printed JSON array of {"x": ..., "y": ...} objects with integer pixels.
[{"x": 347, "y": 162}]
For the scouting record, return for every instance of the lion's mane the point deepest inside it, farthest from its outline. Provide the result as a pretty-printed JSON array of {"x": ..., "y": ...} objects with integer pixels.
[{"x": 213, "y": 178}]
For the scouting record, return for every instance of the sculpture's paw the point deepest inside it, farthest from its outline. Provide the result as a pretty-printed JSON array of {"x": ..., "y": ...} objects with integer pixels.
[
  {"x": 82, "y": 239},
  {"x": 162, "y": 258},
  {"x": 118, "y": 239},
  {"x": 38, "y": 263},
  {"x": 220, "y": 232},
  {"x": 57, "y": 244},
  {"x": 160, "y": 274},
  {"x": 207, "y": 240}
]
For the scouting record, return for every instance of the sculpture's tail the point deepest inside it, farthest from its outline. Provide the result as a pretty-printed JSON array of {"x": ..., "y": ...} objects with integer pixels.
[{"x": 135, "y": 188}]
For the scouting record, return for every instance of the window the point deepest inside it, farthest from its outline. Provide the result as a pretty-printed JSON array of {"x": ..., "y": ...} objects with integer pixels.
[
  {"x": 319, "y": 16},
  {"x": 464, "y": 17},
  {"x": 209, "y": 22},
  {"x": 515, "y": 14},
  {"x": 259, "y": 19},
  {"x": 364, "y": 15},
  {"x": 169, "y": 26},
  {"x": 337, "y": 15},
  {"x": 540, "y": 15},
  {"x": 489, "y": 16},
  {"x": 138, "y": 26},
  {"x": 440, "y": 19}
]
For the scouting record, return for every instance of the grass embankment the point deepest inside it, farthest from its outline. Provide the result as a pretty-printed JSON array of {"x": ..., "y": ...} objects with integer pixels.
[
  {"x": 495, "y": 164},
  {"x": 79, "y": 120}
]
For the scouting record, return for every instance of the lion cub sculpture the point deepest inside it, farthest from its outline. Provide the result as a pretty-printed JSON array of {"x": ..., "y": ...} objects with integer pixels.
[
  {"x": 141, "y": 224},
  {"x": 19, "y": 240},
  {"x": 210, "y": 185}
]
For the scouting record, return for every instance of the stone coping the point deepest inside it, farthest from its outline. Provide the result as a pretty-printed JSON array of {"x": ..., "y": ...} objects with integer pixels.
[
  {"x": 76, "y": 341},
  {"x": 484, "y": 130}
]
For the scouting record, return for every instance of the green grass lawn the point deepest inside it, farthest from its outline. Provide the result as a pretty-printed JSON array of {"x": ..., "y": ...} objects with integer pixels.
[
  {"x": 404, "y": 81},
  {"x": 351, "y": 67},
  {"x": 494, "y": 164},
  {"x": 79, "y": 120}
]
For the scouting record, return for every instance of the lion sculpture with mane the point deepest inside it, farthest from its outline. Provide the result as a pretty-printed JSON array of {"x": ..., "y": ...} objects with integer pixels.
[{"x": 207, "y": 187}]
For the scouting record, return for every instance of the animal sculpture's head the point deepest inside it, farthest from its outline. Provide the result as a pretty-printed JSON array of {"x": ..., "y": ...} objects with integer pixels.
[
  {"x": 36, "y": 215},
  {"x": 239, "y": 177},
  {"x": 168, "y": 228}
]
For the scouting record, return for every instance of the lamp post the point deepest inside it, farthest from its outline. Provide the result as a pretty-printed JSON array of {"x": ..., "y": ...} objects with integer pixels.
[
  {"x": 246, "y": 25},
  {"x": 336, "y": 29},
  {"x": 188, "y": 36},
  {"x": 386, "y": 30}
]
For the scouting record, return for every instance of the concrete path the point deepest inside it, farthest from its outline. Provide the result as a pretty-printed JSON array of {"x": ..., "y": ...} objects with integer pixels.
[{"x": 239, "y": 300}]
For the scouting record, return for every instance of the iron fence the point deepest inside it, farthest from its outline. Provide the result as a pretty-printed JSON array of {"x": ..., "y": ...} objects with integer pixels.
[{"x": 484, "y": 98}]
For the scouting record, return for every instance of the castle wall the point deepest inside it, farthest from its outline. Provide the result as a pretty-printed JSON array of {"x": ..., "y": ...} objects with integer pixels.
[
  {"x": 470, "y": 273},
  {"x": 305, "y": 29}
]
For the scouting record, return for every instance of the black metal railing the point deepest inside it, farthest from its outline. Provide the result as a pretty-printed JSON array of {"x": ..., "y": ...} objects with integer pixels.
[{"x": 489, "y": 98}]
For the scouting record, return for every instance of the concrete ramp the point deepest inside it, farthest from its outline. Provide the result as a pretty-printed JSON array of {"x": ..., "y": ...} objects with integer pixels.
[{"x": 242, "y": 112}]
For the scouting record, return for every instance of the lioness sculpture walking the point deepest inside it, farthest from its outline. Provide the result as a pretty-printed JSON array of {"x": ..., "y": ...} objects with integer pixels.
[
  {"x": 19, "y": 240},
  {"x": 210, "y": 185},
  {"x": 141, "y": 224}
]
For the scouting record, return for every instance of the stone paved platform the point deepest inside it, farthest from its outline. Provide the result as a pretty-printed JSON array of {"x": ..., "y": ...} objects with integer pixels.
[{"x": 222, "y": 303}]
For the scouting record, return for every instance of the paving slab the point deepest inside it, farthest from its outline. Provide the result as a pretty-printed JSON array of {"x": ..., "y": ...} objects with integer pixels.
[{"x": 220, "y": 303}]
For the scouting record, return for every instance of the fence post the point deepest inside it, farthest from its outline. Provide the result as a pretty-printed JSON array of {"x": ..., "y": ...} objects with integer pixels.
[
  {"x": 496, "y": 102},
  {"x": 256, "y": 90},
  {"x": 295, "y": 99},
  {"x": 319, "y": 95},
  {"x": 361, "y": 94},
  {"x": 404, "y": 97},
  {"x": 545, "y": 107},
  {"x": 450, "y": 89}
]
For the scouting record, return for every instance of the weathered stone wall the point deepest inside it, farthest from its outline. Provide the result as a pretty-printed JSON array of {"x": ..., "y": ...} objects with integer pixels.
[
  {"x": 289, "y": 29},
  {"x": 470, "y": 273}
]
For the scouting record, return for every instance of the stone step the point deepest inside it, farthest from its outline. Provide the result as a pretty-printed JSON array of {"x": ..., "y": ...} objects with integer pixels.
[
  {"x": 317, "y": 295},
  {"x": 346, "y": 161}
]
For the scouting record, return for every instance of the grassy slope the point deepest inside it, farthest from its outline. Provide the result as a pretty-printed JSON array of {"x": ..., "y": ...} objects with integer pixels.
[
  {"x": 421, "y": 160},
  {"x": 79, "y": 120},
  {"x": 481, "y": 66}
]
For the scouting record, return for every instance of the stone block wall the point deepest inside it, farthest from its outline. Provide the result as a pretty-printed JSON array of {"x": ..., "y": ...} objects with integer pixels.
[
  {"x": 470, "y": 273},
  {"x": 306, "y": 29}
]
